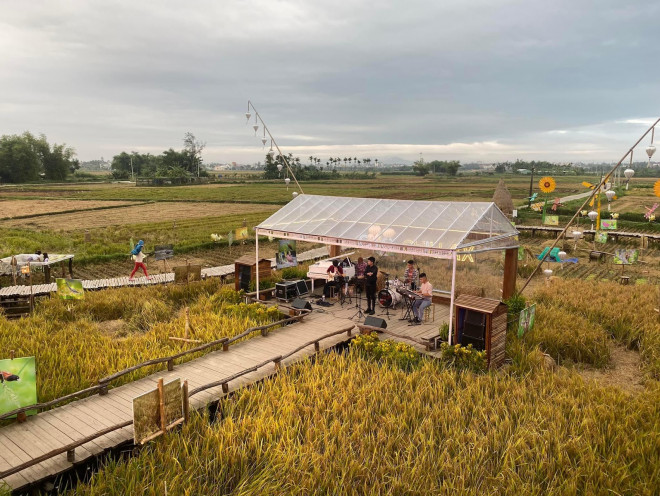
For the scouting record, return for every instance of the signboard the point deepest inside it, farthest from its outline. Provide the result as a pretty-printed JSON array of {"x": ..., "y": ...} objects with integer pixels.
[
  {"x": 25, "y": 269},
  {"x": 625, "y": 256},
  {"x": 600, "y": 237},
  {"x": 551, "y": 220},
  {"x": 608, "y": 223},
  {"x": 70, "y": 289},
  {"x": 526, "y": 320},
  {"x": 163, "y": 252},
  {"x": 286, "y": 254},
  {"x": 241, "y": 233},
  {"x": 18, "y": 384},
  {"x": 187, "y": 273},
  {"x": 147, "y": 420}
]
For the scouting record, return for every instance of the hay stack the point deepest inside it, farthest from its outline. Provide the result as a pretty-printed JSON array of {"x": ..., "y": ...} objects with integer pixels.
[{"x": 502, "y": 198}]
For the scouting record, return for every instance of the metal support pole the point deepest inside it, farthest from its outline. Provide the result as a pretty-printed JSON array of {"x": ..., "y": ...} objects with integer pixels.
[
  {"x": 256, "y": 242},
  {"x": 451, "y": 300}
]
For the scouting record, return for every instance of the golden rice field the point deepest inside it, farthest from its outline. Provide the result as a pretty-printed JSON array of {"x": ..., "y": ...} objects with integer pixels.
[
  {"x": 78, "y": 342},
  {"x": 345, "y": 425},
  {"x": 16, "y": 208}
]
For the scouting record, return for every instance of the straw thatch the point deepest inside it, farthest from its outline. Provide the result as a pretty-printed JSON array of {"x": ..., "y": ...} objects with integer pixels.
[{"x": 502, "y": 198}]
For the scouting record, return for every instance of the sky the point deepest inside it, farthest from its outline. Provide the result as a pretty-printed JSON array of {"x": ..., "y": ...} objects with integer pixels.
[{"x": 480, "y": 80}]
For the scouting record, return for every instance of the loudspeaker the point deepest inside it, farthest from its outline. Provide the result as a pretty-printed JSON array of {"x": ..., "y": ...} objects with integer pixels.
[
  {"x": 300, "y": 304},
  {"x": 375, "y": 322}
]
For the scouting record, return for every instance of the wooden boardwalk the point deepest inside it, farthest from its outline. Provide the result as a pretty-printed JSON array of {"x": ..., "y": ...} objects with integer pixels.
[
  {"x": 53, "y": 429},
  {"x": 56, "y": 428},
  {"x": 119, "y": 282}
]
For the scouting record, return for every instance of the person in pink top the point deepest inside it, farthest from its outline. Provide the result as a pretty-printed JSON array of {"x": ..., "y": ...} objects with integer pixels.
[{"x": 425, "y": 290}]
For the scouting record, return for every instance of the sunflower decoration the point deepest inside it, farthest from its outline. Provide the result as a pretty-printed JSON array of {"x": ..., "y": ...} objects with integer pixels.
[
  {"x": 547, "y": 184},
  {"x": 656, "y": 188}
]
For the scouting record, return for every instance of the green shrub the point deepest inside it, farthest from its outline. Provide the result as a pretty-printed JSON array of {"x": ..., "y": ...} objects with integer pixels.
[{"x": 401, "y": 355}]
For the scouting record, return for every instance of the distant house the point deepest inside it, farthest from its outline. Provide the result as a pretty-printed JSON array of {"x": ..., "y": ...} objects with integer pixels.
[{"x": 524, "y": 171}]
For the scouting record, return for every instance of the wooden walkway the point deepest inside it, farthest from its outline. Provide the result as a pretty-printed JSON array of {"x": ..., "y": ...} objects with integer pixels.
[
  {"x": 53, "y": 429},
  {"x": 119, "y": 282}
]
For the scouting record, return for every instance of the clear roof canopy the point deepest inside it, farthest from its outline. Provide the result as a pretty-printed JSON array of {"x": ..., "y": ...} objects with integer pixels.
[{"x": 430, "y": 228}]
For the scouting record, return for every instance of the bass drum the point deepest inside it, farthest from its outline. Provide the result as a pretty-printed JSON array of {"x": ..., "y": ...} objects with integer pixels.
[{"x": 388, "y": 298}]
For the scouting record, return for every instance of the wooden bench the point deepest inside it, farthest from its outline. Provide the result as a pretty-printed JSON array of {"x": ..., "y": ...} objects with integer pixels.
[{"x": 15, "y": 307}]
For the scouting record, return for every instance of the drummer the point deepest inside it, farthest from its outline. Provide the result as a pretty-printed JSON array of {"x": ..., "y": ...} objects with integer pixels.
[
  {"x": 426, "y": 292},
  {"x": 411, "y": 276}
]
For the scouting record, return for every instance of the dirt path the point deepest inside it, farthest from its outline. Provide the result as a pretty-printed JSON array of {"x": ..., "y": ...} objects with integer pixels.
[{"x": 625, "y": 372}]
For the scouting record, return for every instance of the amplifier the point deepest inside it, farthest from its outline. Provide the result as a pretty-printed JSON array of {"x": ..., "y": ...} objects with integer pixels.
[{"x": 286, "y": 290}]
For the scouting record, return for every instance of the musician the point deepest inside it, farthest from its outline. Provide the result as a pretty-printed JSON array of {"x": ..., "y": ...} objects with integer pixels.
[
  {"x": 371, "y": 277},
  {"x": 334, "y": 272},
  {"x": 411, "y": 276},
  {"x": 425, "y": 291}
]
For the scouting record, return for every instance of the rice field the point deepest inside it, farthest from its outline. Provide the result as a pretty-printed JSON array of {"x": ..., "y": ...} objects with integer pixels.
[
  {"x": 77, "y": 343},
  {"x": 21, "y": 208},
  {"x": 345, "y": 425}
]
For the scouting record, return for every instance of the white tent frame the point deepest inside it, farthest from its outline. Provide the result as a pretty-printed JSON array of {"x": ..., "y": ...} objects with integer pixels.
[{"x": 269, "y": 227}]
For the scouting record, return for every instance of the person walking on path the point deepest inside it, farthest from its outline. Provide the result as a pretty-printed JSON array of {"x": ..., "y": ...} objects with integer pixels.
[{"x": 139, "y": 256}]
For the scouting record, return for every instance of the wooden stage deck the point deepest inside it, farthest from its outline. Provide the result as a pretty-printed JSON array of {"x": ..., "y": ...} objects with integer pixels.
[{"x": 56, "y": 428}]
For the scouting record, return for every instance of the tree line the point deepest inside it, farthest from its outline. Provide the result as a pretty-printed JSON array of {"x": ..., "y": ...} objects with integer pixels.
[
  {"x": 171, "y": 163},
  {"x": 447, "y": 167},
  {"x": 27, "y": 158}
]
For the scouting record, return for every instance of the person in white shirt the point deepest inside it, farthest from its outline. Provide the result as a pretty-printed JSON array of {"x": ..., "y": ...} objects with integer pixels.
[
  {"x": 139, "y": 256},
  {"x": 425, "y": 290}
]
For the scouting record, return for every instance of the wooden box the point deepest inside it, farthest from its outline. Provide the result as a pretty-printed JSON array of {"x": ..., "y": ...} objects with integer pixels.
[
  {"x": 482, "y": 323},
  {"x": 245, "y": 270}
]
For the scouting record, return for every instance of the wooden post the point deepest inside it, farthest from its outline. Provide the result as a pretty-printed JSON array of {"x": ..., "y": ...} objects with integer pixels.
[
  {"x": 104, "y": 389},
  {"x": 278, "y": 364},
  {"x": 13, "y": 269},
  {"x": 510, "y": 272},
  {"x": 264, "y": 332},
  {"x": 21, "y": 417},
  {"x": 334, "y": 250},
  {"x": 47, "y": 274},
  {"x": 317, "y": 347},
  {"x": 170, "y": 365},
  {"x": 225, "y": 387},
  {"x": 161, "y": 405},
  {"x": 225, "y": 346},
  {"x": 186, "y": 401},
  {"x": 12, "y": 354},
  {"x": 71, "y": 455}
]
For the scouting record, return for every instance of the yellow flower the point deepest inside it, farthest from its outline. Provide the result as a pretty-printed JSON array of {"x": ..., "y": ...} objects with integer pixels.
[
  {"x": 656, "y": 188},
  {"x": 547, "y": 184}
]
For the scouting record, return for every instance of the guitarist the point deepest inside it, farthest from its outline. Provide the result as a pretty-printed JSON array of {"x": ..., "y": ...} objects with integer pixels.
[{"x": 335, "y": 274}]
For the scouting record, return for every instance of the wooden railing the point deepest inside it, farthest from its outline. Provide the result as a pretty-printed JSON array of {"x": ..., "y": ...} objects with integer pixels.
[
  {"x": 69, "y": 449},
  {"x": 102, "y": 387}
]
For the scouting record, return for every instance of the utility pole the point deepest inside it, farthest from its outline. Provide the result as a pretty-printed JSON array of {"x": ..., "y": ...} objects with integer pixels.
[
  {"x": 132, "y": 176},
  {"x": 531, "y": 184}
]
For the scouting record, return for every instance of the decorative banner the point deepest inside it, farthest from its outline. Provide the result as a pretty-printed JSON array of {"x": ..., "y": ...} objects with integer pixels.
[
  {"x": 625, "y": 256},
  {"x": 600, "y": 237},
  {"x": 18, "y": 384},
  {"x": 526, "y": 320},
  {"x": 464, "y": 256},
  {"x": 70, "y": 289},
  {"x": 551, "y": 220},
  {"x": 146, "y": 411},
  {"x": 241, "y": 233},
  {"x": 163, "y": 252},
  {"x": 608, "y": 223},
  {"x": 286, "y": 254}
]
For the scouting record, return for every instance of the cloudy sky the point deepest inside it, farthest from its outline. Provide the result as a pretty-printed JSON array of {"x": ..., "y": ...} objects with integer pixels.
[{"x": 452, "y": 79}]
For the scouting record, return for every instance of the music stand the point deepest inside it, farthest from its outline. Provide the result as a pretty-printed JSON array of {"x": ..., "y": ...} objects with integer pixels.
[{"x": 358, "y": 301}]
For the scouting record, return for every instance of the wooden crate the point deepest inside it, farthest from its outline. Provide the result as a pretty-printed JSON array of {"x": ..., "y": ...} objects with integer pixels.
[{"x": 492, "y": 315}]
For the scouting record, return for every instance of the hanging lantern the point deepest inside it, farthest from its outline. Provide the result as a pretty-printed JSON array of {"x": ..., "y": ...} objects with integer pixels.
[
  {"x": 279, "y": 167},
  {"x": 629, "y": 173},
  {"x": 610, "y": 194},
  {"x": 389, "y": 233},
  {"x": 294, "y": 194},
  {"x": 593, "y": 215},
  {"x": 583, "y": 213},
  {"x": 247, "y": 116},
  {"x": 577, "y": 235},
  {"x": 650, "y": 150},
  {"x": 375, "y": 230},
  {"x": 547, "y": 273},
  {"x": 256, "y": 128},
  {"x": 263, "y": 141},
  {"x": 287, "y": 181},
  {"x": 561, "y": 255}
]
